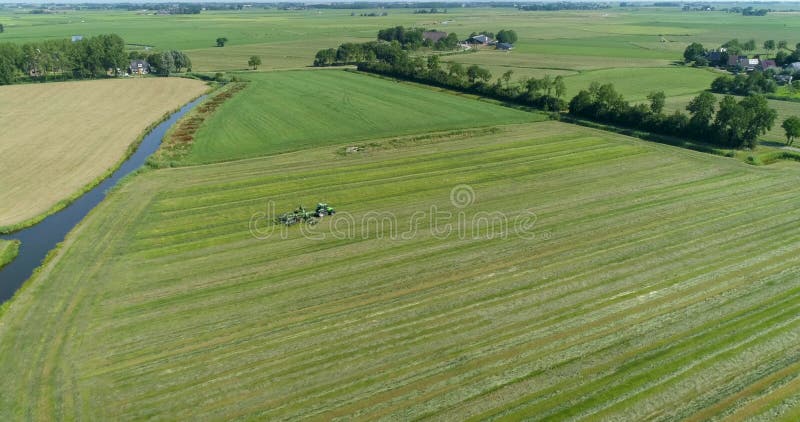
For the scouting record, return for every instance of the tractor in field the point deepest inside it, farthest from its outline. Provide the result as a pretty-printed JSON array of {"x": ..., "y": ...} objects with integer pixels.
[{"x": 302, "y": 215}]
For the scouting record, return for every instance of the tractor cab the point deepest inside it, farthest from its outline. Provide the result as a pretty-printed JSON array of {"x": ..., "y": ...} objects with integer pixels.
[{"x": 323, "y": 208}]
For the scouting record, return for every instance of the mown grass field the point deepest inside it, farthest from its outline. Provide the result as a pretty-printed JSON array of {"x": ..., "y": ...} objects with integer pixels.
[
  {"x": 656, "y": 283},
  {"x": 8, "y": 251},
  {"x": 59, "y": 137},
  {"x": 636, "y": 83},
  {"x": 286, "y": 111}
]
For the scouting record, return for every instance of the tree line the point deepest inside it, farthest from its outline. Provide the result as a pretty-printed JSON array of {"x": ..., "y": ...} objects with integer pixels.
[
  {"x": 391, "y": 59},
  {"x": 90, "y": 57},
  {"x": 731, "y": 124}
]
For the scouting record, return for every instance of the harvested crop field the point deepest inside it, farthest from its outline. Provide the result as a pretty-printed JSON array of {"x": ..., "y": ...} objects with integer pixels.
[
  {"x": 59, "y": 137},
  {"x": 637, "y": 287}
]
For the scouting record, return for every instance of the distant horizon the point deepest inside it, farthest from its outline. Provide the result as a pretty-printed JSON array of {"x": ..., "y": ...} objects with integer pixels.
[{"x": 455, "y": 2}]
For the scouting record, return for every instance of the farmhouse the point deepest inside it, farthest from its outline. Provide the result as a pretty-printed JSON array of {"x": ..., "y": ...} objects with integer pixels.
[
  {"x": 504, "y": 46},
  {"x": 434, "y": 36},
  {"x": 479, "y": 39},
  {"x": 139, "y": 67}
]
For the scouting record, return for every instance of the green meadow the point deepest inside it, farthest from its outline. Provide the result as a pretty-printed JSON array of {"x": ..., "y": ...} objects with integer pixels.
[
  {"x": 286, "y": 111},
  {"x": 583, "y": 275}
]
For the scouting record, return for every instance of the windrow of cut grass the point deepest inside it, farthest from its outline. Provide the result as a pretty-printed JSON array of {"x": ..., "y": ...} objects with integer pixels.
[
  {"x": 59, "y": 139},
  {"x": 289, "y": 111},
  {"x": 565, "y": 273},
  {"x": 178, "y": 142}
]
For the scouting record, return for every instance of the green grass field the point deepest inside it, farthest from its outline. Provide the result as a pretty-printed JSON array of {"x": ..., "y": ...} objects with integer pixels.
[
  {"x": 643, "y": 290},
  {"x": 8, "y": 251},
  {"x": 286, "y": 111},
  {"x": 635, "y": 83}
]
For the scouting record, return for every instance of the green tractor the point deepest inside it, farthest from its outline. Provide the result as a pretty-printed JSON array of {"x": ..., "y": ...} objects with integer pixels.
[
  {"x": 324, "y": 209},
  {"x": 301, "y": 214}
]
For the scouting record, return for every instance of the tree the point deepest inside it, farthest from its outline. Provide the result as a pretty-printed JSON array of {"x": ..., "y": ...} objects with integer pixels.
[
  {"x": 10, "y": 57},
  {"x": 506, "y": 78},
  {"x": 325, "y": 57},
  {"x": 740, "y": 124},
  {"x": 507, "y": 36},
  {"x": 783, "y": 45},
  {"x": 221, "y": 41},
  {"x": 477, "y": 73},
  {"x": 769, "y": 45},
  {"x": 433, "y": 62},
  {"x": 792, "y": 128},
  {"x": 693, "y": 52},
  {"x": 750, "y": 45},
  {"x": 254, "y": 62},
  {"x": 559, "y": 86},
  {"x": 181, "y": 60},
  {"x": 657, "y": 101},
  {"x": 2, "y": 28},
  {"x": 456, "y": 70},
  {"x": 702, "y": 110}
]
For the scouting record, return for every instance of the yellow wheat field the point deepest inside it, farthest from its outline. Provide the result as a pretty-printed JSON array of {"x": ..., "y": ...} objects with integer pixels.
[{"x": 58, "y": 137}]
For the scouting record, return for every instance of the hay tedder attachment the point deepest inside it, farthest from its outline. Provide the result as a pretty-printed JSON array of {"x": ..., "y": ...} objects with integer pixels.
[{"x": 302, "y": 215}]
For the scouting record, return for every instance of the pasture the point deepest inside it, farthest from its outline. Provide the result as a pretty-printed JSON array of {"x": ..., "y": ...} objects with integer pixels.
[
  {"x": 286, "y": 111},
  {"x": 573, "y": 40},
  {"x": 637, "y": 287},
  {"x": 58, "y": 138},
  {"x": 8, "y": 251}
]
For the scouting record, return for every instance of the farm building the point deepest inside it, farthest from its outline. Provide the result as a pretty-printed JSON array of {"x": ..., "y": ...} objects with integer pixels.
[
  {"x": 76, "y": 38},
  {"x": 504, "y": 46},
  {"x": 139, "y": 67},
  {"x": 794, "y": 66},
  {"x": 434, "y": 36},
  {"x": 768, "y": 64},
  {"x": 480, "y": 39}
]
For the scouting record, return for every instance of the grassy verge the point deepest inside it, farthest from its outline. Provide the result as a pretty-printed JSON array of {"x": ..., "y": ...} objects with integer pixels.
[
  {"x": 60, "y": 205},
  {"x": 179, "y": 139},
  {"x": 8, "y": 251}
]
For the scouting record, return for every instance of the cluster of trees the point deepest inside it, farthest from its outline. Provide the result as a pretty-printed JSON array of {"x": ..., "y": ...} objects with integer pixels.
[
  {"x": 428, "y": 11},
  {"x": 741, "y": 84},
  {"x": 254, "y": 62},
  {"x": 409, "y": 39},
  {"x": 371, "y": 14},
  {"x": 734, "y": 124},
  {"x": 695, "y": 52},
  {"x": 88, "y": 58},
  {"x": 550, "y": 7},
  {"x": 164, "y": 63},
  {"x": 749, "y": 11},
  {"x": 221, "y": 41},
  {"x": 2, "y": 28}
]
